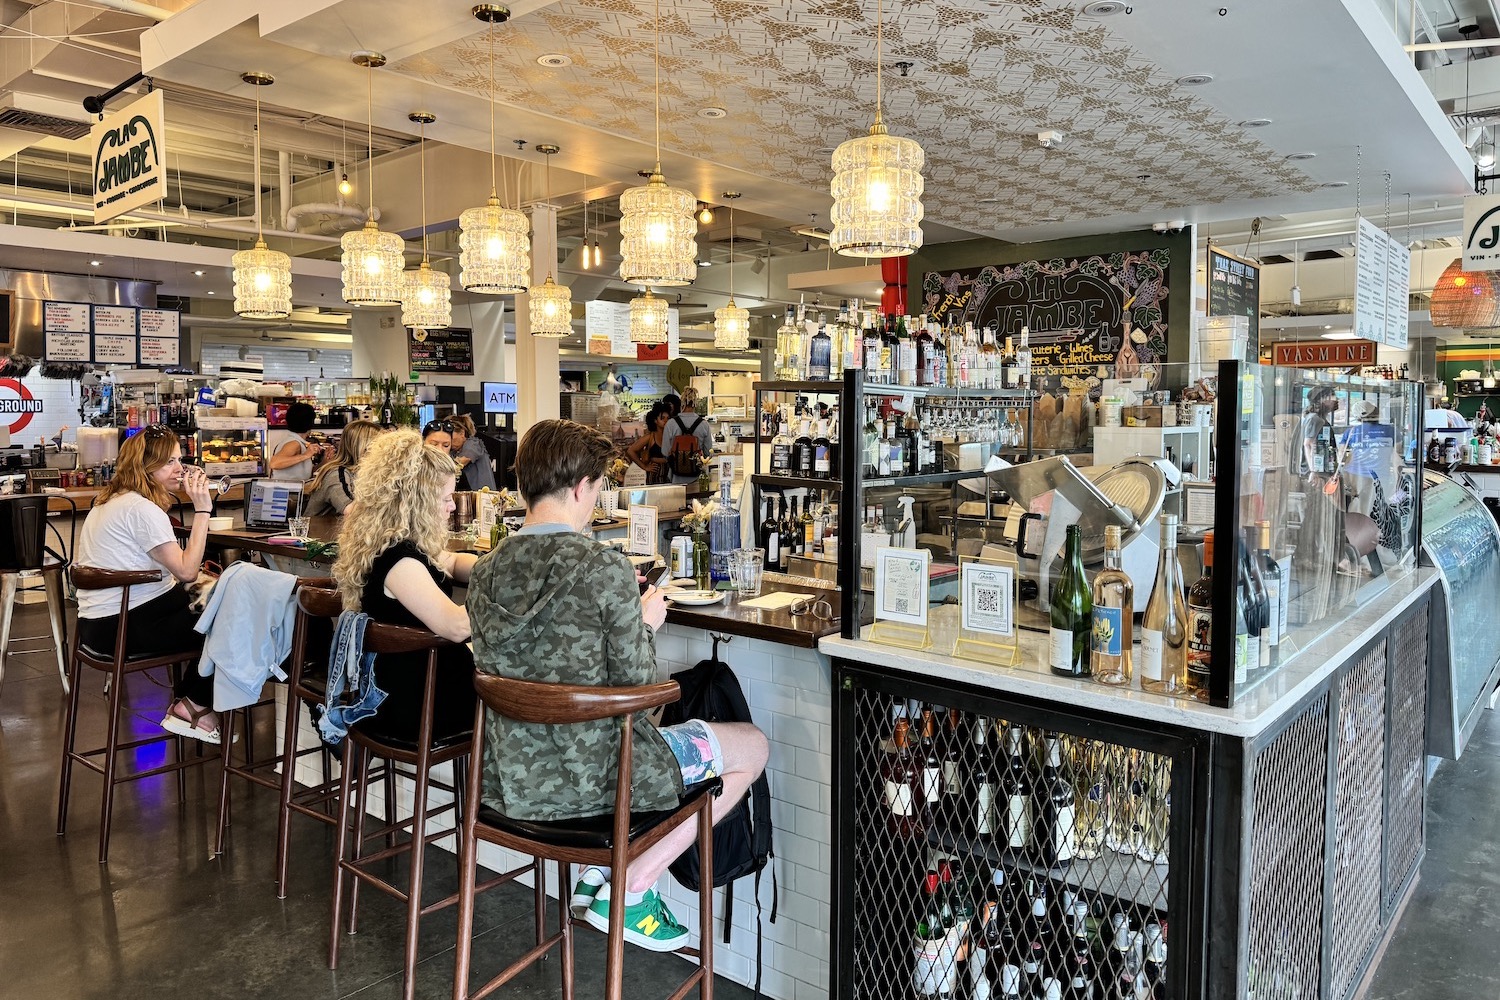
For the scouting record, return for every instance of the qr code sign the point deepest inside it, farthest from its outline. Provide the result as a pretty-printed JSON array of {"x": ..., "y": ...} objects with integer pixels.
[
  {"x": 987, "y": 599},
  {"x": 900, "y": 604}
]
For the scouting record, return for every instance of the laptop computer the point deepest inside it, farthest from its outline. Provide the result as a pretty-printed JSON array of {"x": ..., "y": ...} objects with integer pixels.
[{"x": 269, "y": 502}]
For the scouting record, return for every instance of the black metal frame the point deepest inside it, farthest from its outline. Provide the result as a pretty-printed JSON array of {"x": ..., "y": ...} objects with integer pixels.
[{"x": 1189, "y": 750}]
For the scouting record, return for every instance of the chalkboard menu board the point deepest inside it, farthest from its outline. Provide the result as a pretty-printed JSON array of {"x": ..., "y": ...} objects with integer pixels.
[
  {"x": 441, "y": 352},
  {"x": 1082, "y": 312},
  {"x": 1234, "y": 289}
]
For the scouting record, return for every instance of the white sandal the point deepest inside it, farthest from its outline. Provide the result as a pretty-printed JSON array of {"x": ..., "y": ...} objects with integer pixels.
[{"x": 178, "y": 726}]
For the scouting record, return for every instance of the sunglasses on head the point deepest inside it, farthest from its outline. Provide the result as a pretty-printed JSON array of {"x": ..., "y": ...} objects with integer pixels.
[
  {"x": 158, "y": 431},
  {"x": 437, "y": 425}
]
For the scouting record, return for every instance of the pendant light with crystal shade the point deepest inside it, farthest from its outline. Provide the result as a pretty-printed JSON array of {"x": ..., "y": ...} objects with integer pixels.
[
  {"x": 648, "y": 319},
  {"x": 426, "y": 295},
  {"x": 372, "y": 260},
  {"x": 731, "y": 323},
  {"x": 657, "y": 228},
  {"x": 262, "y": 276},
  {"x": 494, "y": 241},
  {"x": 877, "y": 185},
  {"x": 551, "y": 303}
]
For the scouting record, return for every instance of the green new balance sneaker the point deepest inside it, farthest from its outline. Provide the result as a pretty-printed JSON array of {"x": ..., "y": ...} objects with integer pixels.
[
  {"x": 648, "y": 924},
  {"x": 589, "y": 884}
]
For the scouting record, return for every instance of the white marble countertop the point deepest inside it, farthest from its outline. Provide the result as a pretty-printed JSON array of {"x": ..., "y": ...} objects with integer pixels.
[{"x": 1252, "y": 713}]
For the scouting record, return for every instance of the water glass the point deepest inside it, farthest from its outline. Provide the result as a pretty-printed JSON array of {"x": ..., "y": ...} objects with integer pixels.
[
  {"x": 297, "y": 526},
  {"x": 746, "y": 569}
]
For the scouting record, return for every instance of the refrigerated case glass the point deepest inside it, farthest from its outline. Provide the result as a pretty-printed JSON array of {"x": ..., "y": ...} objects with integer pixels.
[{"x": 232, "y": 446}]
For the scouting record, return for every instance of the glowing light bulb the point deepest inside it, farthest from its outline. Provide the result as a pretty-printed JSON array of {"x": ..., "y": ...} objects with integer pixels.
[
  {"x": 658, "y": 232},
  {"x": 345, "y": 188},
  {"x": 1460, "y": 281},
  {"x": 262, "y": 281},
  {"x": 878, "y": 195},
  {"x": 371, "y": 263},
  {"x": 494, "y": 248},
  {"x": 598, "y": 254}
]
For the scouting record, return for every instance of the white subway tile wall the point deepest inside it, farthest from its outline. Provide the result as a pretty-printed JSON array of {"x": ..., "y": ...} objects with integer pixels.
[
  {"x": 793, "y": 712},
  {"x": 284, "y": 363}
]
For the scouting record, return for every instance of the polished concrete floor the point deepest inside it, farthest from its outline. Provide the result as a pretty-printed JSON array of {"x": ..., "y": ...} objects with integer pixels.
[{"x": 166, "y": 918}]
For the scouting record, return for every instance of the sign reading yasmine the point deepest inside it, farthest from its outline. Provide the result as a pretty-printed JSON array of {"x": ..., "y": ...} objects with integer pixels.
[{"x": 130, "y": 158}]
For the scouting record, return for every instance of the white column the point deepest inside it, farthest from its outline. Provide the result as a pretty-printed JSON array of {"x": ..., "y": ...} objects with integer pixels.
[
  {"x": 379, "y": 343},
  {"x": 536, "y": 376}
]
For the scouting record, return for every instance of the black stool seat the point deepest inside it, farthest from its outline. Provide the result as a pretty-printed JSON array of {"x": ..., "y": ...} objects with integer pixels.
[
  {"x": 593, "y": 832},
  {"x": 138, "y": 659},
  {"x": 379, "y": 740}
]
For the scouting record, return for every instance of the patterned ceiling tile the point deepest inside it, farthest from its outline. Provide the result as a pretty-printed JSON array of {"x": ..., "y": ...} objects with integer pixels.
[{"x": 735, "y": 10}]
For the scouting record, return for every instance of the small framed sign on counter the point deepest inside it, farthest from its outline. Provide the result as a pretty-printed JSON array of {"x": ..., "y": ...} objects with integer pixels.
[
  {"x": 643, "y": 533},
  {"x": 902, "y": 589}
]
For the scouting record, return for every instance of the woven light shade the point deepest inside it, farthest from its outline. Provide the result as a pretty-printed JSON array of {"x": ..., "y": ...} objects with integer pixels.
[
  {"x": 648, "y": 319},
  {"x": 426, "y": 299},
  {"x": 551, "y": 309},
  {"x": 494, "y": 250},
  {"x": 658, "y": 244},
  {"x": 262, "y": 283},
  {"x": 732, "y": 328},
  {"x": 1465, "y": 298},
  {"x": 373, "y": 262}
]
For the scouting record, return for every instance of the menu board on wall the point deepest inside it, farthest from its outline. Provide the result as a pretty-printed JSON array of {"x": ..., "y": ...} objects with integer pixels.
[
  {"x": 1382, "y": 287},
  {"x": 1234, "y": 289},
  {"x": 110, "y": 335},
  {"x": 441, "y": 352},
  {"x": 1082, "y": 312}
]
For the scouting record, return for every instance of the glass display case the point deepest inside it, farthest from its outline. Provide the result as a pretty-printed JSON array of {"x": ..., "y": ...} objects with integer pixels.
[{"x": 232, "y": 446}]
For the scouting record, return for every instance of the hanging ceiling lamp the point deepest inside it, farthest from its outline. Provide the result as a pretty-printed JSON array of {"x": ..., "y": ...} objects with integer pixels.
[
  {"x": 494, "y": 241},
  {"x": 657, "y": 228},
  {"x": 731, "y": 323},
  {"x": 1465, "y": 298},
  {"x": 877, "y": 185},
  {"x": 551, "y": 303},
  {"x": 426, "y": 295},
  {"x": 648, "y": 319},
  {"x": 262, "y": 276},
  {"x": 372, "y": 260}
]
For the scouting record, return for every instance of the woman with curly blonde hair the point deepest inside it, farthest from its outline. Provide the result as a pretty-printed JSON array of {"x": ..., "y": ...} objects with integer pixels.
[{"x": 394, "y": 566}]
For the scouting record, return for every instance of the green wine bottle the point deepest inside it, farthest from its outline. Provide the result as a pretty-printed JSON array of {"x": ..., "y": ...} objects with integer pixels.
[{"x": 1072, "y": 612}]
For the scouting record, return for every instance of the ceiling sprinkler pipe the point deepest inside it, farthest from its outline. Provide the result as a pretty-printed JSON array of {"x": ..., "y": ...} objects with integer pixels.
[
  {"x": 149, "y": 11},
  {"x": 349, "y": 216}
]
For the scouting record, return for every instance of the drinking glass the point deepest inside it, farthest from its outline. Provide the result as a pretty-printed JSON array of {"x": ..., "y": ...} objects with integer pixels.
[
  {"x": 297, "y": 526},
  {"x": 747, "y": 569},
  {"x": 220, "y": 485}
]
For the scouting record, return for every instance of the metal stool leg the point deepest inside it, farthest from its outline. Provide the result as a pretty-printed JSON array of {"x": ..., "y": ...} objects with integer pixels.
[
  {"x": 111, "y": 741},
  {"x": 8, "y": 583},
  {"x": 70, "y": 733},
  {"x": 57, "y": 617}
]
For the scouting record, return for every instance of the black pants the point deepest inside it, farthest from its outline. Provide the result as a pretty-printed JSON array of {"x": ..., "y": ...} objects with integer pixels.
[{"x": 162, "y": 625}]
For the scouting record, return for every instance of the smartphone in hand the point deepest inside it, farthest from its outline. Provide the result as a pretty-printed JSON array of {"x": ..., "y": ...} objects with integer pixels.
[{"x": 653, "y": 576}]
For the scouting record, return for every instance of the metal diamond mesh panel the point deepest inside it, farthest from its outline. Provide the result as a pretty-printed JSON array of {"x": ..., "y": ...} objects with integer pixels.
[
  {"x": 992, "y": 857},
  {"x": 1288, "y": 779},
  {"x": 1357, "y": 849},
  {"x": 1408, "y": 695}
]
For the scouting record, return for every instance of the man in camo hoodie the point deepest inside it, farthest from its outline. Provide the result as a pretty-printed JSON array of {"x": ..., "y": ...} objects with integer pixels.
[{"x": 551, "y": 604}]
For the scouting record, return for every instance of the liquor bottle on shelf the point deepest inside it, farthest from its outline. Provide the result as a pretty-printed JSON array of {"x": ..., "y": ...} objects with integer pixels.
[
  {"x": 769, "y": 536},
  {"x": 928, "y": 944},
  {"x": 1009, "y": 374},
  {"x": 983, "y": 788},
  {"x": 1015, "y": 791},
  {"x": 1253, "y": 568},
  {"x": 906, "y": 354},
  {"x": 808, "y": 529},
  {"x": 883, "y": 450},
  {"x": 967, "y": 356},
  {"x": 926, "y": 369},
  {"x": 723, "y": 532},
  {"x": 1164, "y": 626},
  {"x": 1023, "y": 359},
  {"x": 871, "y": 343},
  {"x": 1126, "y": 962},
  {"x": 785, "y": 528},
  {"x": 820, "y": 355},
  {"x": 1275, "y": 585},
  {"x": 822, "y": 466},
  {"x": 903, "y": 786},
  {"x": 1200, "y": 609},
  {"x": 781, "y": 450},
  {"x": 851, "y": 343},
  {"x": 788, "y": 348},
  {"x": 802, "y": 451},
  {"x": 896, "y": 441},
  {"x": 1055, "y": 837},
  {"x": 871, "y": 442},
  {"x": 913, "y": 433},
  {"x": 831, "y": 427},
  {"x": 1072, "y": 612},
  {"x": 939, "y": 357},
  {"x": 989, "y": 360},
  {"x": 1112, "y": 635}
]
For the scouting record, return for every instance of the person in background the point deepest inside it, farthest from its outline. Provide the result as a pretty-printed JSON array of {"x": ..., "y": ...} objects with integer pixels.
[
  {"x": 332, "y": 488},
  {"x": 291, "y": 454},
  {"x": 1317, "y": 423},
  {"x": 128, "y": 528},
  {"x": 439, "y": 434},
  {"x": 673, "y": 404},
  {"x": 551, "y": 604},
  {"x": 470, "y": 455},
  {"x": 394, "y": 566},
  {"x": 689, "y": 421},
  {"x": 646, "y": 451}
]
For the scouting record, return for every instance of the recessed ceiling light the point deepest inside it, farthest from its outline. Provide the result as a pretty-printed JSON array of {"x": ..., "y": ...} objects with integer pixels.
[
  {"x": 211, "y": 291},
  {"x": 554, "y": 60},
  {"x": 826, "y": 150},
  {"x": 705, "y": 263},
  {"x": 712, "y": 113},
  {"x": 95, "y": 263},
  {"x": 1340, "y": 335},
  {"x": 1195, "y": 79},
  {"x": 1255, "y": 123},
  {"x": 1104, "y": 8},
  {"x": 1334, "y": 184},
  {"x": 198, "y": 274},
  {"x": 1300, "y": 156}
]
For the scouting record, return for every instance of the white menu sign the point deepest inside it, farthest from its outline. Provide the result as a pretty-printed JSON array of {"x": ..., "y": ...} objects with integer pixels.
[
  {"x": 1397, "y": 296},
  {"x": 607, "y": 328},
  {"x": 65, "y": 317},
  {"x": 987, "y": 597},
  {"x": 1369, "y": 282},
  {"x": 67, "y": 346},
  {"x": 160, "y": 323},
  {"x": 901, "y": 585},
  {"x": 117, "y": 320},
  {"x": 110, "y": 349},
  {"x": 159, "y": 352}
]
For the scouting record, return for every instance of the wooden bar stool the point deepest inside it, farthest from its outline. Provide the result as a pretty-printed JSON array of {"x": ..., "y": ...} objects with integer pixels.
[
  {"x": 116, "y": 665},
  {"x": 422, "y": 755},
  {"x": 302, "y": 685},
  {"x": 612, "y": 840}
]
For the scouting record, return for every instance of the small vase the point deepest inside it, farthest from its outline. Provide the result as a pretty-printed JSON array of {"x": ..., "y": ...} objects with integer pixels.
[{"x": 701, "y": 560}]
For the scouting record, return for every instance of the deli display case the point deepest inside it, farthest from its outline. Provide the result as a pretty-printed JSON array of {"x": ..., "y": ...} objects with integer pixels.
[{"x": 232, "y": 446}]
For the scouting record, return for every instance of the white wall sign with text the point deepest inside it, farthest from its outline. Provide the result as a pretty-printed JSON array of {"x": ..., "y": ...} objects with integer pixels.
[
  {"x": 1481, "y": 232},
  {"x": 130, "y": 157}
]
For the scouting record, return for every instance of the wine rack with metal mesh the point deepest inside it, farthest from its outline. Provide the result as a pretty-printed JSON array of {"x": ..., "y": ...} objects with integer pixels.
[
  {"x": 1042, "y": 869},
  {"x": 1407, "y": 743}
]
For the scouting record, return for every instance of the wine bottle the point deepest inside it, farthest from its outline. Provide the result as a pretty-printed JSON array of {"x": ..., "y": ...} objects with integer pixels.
[
  {"x": 989, "y": 360},
  {"x": 1112, "y": 635},
  {"x": 983, "y": 787},
  {"x": 906, "y": 354},
  {"x": 953, "y": 757},
  {"x": 932, "y": 766},
  {"x": 925, "y": 368},
  {"x": 770, "y": 536},
  {"x": 1164, "y": 626},
  {"x": 1200, "y": 608},
  {"x": 802, "y": 451},
  {"x": 1010, "y": 982},
  {"x": 1023, "y": 359},
  {"x": 1271, "y": 573},
  {"x": 785, "y": 529},
  {"x": 939, "y": 359},
  {"x": 850, "y": 339},
  {"x": 1260, "y": 602},
  {"x": 958, "y": 914},
  {"x": 781, "y": 450},
  {"x": 808, "y": 529},
  {"x": 1072, "y": 612},
  {"x": 1055, "y": 835},
  {"x": 1015, "y": 790},
  {"x": 822, "y": 452},
  {"x": 903, "y": 785},
  {"x": 928, "y": 943}
]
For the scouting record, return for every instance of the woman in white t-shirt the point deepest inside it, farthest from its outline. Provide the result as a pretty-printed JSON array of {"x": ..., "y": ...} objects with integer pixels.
[{"x": 128, "y": 528}]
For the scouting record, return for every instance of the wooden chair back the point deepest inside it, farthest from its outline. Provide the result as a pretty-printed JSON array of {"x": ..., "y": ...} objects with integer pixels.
[{"x": 560, "y": 704}]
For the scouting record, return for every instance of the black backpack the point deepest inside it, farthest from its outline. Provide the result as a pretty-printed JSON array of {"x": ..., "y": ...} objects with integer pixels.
[{"x": 742, "y": 841}]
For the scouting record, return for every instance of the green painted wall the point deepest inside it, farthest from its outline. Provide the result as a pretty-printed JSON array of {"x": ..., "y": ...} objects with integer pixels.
[
  {"x": 1448, "y": 372},
  {"x": 977, "y": 253}
]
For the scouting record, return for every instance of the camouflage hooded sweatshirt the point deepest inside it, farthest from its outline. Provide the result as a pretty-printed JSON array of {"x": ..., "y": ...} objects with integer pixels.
[{"x": 560, "y": 607}]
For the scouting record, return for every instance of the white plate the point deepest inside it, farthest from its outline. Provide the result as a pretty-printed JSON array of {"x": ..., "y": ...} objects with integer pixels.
[{"x": 695, "y": 598}]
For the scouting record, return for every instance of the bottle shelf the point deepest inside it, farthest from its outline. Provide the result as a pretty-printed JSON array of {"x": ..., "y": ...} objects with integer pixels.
[
  {"x": 931, "y": 479},
  {"x": 794, "y": 482},
  {"x": 833, "y": 387},
  {"x": 1119, "y": 876},
  {"x": 948, "y": 392}
]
